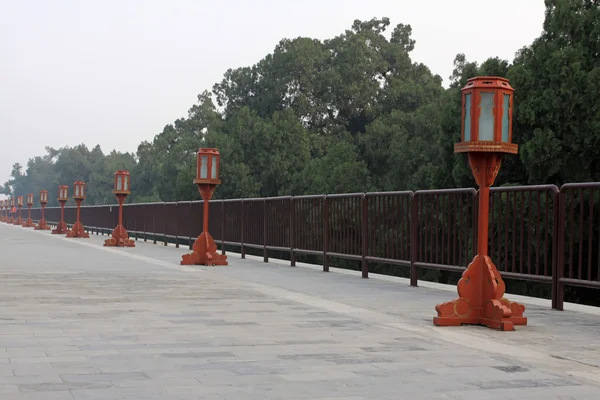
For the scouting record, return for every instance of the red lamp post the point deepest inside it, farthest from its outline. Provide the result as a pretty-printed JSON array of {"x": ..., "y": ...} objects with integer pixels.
[
  {"x": 29, "y": 223},
  {"x": 13, "y": 211},
  {"x": 42, "y": 226},
  {"x": 204, "y": 250},
  {"x": 79, "y": 195},
  {"x": 63, "y": 197},
  {"x": 120, "y": 237},
  {"x": 19, "y": 221},
  {"x": 2, "y": 211},
  {"x": 486, "y": 136}
]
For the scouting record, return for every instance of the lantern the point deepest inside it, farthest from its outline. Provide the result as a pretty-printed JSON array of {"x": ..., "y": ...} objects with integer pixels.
[
  {"x": 487, "y": 116},
  {"x": 207, "y": 168},
  {"x": 30, "y": 199},
  {"x": 43, "y": 196},
  {"x": 486, "y": 136},
  {"x": 20, "y": 201},
  {"x": 122, "y": 182},
  {"x": 204, "y": 249},
  {"x": 79, "y": 190},
  {"x": 63, "y": 193},
  {"x": 12, "y": 201},
  {"x": 77, "y": 231}
]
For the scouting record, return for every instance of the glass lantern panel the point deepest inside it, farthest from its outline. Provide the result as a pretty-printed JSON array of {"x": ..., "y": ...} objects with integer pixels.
[
  {"x": 213, "y": 168},
  {"x": 467, "y": 117},
  {"x": 505, "y": 117},
  {"x": 486, "y": 116},
  {"x": 204, "y": 168},
  {"x": 125, "y": 182},
  {"x": 77, "y": 190},
  {"x": 120, "y": 182}
]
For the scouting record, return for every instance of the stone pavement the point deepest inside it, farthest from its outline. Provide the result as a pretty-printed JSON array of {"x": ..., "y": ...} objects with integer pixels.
[{"x": 79, "y": 321}]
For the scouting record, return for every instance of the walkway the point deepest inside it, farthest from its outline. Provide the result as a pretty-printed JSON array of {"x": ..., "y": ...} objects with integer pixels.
[{"x": 80, "y": 321}]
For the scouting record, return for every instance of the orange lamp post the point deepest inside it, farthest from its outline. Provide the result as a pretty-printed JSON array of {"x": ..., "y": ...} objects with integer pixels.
[
  {"x": 79, "y": 195},
  {"x": 13, "y": 211},
  {"x": 486, "y": 136},
  {"x": 63, "y": 197},
  {"x": 19, "y": 221},
  {"x": 42, "y": 226},
  {"x": 2, "y": 211},
  {"x": 204, "y": 250},
  {"x": 29, "y": 223},
  {"x": 120, "y": 237}
]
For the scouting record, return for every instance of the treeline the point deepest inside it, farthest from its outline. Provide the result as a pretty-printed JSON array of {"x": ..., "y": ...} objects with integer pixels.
[{"x": 355, "y": 113}]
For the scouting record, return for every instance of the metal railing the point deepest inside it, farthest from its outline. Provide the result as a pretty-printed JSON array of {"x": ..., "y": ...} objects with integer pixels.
[{"x": 537, "y": 233}]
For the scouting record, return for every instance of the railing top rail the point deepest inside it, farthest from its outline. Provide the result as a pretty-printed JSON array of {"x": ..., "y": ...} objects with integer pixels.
[
  {"x": 311, "y": 196},
  {"x": 342, "y": 195},
  {"x": 409, "y": 193},
  {"x": 447, "y": 191},
  {"x": 279, "y": 198},
  {"x": 530, "y": 188},
  {"x": 582, "y": 185}
]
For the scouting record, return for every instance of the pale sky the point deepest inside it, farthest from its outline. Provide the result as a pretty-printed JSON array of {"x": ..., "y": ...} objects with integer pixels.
[{"x": 115, "y": 72}]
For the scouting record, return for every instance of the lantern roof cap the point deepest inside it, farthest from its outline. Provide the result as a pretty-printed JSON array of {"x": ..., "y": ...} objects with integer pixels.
[
  {"x": 487, "y": 82},
  {"x": 208, "y": 150}
]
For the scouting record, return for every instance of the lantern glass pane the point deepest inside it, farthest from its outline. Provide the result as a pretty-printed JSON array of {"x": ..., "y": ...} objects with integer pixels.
[
  {"x": 213, "y": 169},
  {"x": 505, "y": 117},
  {"x": 76, "y": 190},
  {"x": 126, "y": 182},
  {"x": 486, "y": 116},
  {"x": 119, "y": 182},
  {"x": 204, "y": 168},
  {"x": 467, "y": 117}
]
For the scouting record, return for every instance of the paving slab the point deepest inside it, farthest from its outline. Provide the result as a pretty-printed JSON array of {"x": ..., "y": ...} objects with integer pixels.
[{"x": 80, "y": 321}]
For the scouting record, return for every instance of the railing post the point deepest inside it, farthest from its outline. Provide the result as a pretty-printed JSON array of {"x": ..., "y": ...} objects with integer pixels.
[
  {"x": 223, "y": 227},
  {"x": 243, "y": 251},
  {"x": 265, "y": 252},
  {"x": 364, "y": 266},
  {"x": 325, "y": 234},
  {"x": 176, "y": 225},
  {"x": 414, "y": 235},
  {"x": 558, "y": 263},
  {"x": 292, "y": 231}
]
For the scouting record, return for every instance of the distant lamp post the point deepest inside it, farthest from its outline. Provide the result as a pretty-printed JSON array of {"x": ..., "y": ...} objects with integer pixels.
[
  {"x": 63, "y": 197},
  {"x": 42, "y": 226},
  {"x": 19, "y": 221},
  {"x": 122, "y": 188},
  {"x": 29, "y": 223},
  {"x": 204, "y": 250},
  {"x": 486, "y": 137},
  {"x": 13, "y": 211},
  {"x": 77, "y": 230},
  {"x": 2, "y": 211}
]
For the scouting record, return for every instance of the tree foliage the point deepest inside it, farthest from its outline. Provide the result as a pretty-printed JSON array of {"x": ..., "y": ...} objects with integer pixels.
[{"x": 356, "y": 113}]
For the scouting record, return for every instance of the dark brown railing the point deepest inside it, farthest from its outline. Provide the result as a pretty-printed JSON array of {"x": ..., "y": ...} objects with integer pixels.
[{"x": 538, "y": 234}]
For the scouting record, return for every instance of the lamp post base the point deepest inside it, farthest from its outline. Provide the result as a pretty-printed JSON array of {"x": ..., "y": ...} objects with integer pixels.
[
  {"x": 77, "y": 231},
  {"x": 481, "y": 301},
  {"x": 61, "y": 228},
  {"x": 204, "y": 252},
  {"x": 42, "y": 226},
  {"x": 120, "y": 238},
  {"x": 28, "y": 224}
]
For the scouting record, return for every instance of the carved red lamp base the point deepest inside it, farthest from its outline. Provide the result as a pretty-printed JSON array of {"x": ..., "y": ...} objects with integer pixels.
[
  {"x": 120, "y": 238},
  {"x": 77, "y": 231},
  {"x": 61, "y": 229},
  {"x": 28, "y": 224},
  {"x": 204, "y": 252},
  {"x": 481, "y": 302},
  {"x": 42, "y": 226}
]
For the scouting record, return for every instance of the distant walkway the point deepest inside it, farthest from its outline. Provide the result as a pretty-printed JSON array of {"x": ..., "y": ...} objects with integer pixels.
[{"x": 80, "y": 321}]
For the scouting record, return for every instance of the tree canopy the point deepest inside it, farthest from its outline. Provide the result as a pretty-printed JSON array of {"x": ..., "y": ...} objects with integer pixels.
[{"x": 355, "y": 113}]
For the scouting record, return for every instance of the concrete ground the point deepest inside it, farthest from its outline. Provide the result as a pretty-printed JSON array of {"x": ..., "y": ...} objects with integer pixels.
[{"x": 80, "y": 321}]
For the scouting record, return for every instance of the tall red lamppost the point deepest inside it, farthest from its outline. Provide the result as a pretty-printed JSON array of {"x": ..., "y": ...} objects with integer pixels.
[
  {"x": 486, "y": 136},
  {"x": 42, "y": 226},
  {"x": 19, "y": 221},
  {"x": 29, "y": 223},
  {"x": 1, "y": 210},
  {"x": 63, "y": 197},
  {"x": 13, "y": 211},
  {"x": 204, "y": 250},
  {"x": 120, "y": 237},
  {"x": 79, "y": 195}
]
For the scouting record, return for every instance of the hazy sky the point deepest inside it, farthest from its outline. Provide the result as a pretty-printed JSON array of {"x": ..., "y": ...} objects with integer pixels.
[{"x": 115, "y": 73}]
